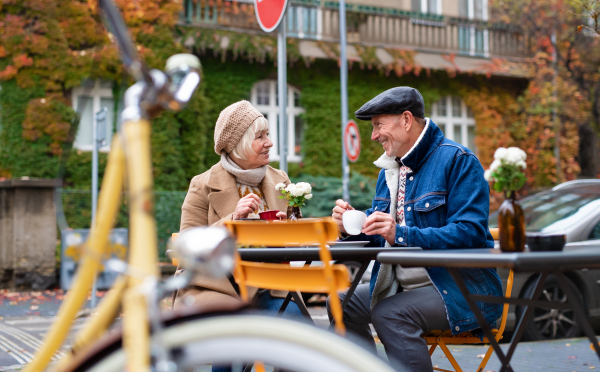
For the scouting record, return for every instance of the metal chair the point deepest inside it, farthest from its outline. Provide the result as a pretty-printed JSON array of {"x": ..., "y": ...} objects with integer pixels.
[
  {"x": 324, "y": 279},
  {"x": 444, "y": 338}
]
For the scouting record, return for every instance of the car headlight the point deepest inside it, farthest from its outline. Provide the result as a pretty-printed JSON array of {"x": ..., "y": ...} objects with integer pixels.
[{"x": 206, "y": 250}]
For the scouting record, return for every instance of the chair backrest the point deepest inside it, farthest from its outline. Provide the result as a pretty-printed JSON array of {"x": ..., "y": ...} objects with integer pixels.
[
  {"x": 327, "y": 278},
  {"x": 495, "y": 233}
]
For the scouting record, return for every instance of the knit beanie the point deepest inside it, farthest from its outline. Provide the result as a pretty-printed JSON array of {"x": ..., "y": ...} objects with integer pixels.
[{"x": 232, "y": 123}]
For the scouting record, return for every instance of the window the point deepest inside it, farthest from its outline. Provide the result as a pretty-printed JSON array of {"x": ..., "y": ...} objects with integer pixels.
[
  {"x": 303, "y": 22},
  {"x": 265, "y": 98},
  {"x": 87, "y": 100},
  {"x": 456, "y": 120},
  {"x": 427, "y": 6}
]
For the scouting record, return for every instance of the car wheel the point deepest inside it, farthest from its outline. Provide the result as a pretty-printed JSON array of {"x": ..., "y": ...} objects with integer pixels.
[{"x": 546, "y": 323}]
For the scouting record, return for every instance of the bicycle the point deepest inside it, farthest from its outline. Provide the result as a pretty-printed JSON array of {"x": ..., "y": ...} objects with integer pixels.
[{"x": 186, "y": 341}]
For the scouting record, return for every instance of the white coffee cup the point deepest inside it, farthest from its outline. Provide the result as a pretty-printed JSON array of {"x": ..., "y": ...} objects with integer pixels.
[{"x": 353, "y": 221}]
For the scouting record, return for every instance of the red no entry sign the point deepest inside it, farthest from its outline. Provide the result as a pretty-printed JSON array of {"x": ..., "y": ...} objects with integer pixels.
[
  {"x": 352, "y": 141},
  {"x": 269, "y": 13}
]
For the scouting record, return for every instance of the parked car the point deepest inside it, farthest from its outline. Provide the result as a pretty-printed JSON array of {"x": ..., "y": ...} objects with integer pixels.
[{"x": 571, "y": 208}]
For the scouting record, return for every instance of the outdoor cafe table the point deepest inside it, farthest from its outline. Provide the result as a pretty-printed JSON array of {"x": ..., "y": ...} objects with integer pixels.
[
  {"x": 544, "y": 263},
  {"x": 364, "y": 255}
]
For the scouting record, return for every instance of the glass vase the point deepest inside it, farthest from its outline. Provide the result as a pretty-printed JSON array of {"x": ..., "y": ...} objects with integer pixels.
[
  {"x": 296, "y": 214},
  {"x": 511, "y": 222}
]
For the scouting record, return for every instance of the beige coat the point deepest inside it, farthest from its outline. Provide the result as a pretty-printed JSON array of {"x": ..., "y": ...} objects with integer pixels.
[{"x": 211, "y": 200}]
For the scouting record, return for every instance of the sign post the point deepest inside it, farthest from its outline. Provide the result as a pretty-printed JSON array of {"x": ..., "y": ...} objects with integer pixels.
[
  {"x": 271, "y": 14},
  {"x": 344, "y": 98},
  {"x": 352, "y": 141},
  {"x": 98, "y": 140}
]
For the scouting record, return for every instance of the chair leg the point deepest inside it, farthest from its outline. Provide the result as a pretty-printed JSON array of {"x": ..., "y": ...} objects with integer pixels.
[
  {"x": 486, "y": 358},
  {"x": 449, "y": 355},
  {"x": 259, "y": 367},
  {"x": 432, "y": 349}
]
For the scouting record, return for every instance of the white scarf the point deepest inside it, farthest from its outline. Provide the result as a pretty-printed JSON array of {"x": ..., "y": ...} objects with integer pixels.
[{"x": 250, "y": 177}]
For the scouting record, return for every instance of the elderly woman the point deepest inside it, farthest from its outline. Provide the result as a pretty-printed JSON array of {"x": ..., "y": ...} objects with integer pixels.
[{"x": 239, "y": 186}]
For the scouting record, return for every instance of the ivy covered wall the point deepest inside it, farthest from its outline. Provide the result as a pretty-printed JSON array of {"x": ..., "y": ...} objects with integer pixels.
[{"x": 49, "y": 47}]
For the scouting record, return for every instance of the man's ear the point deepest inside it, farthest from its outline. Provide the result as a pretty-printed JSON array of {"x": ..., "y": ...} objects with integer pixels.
[{"x": 408, "y": 120}]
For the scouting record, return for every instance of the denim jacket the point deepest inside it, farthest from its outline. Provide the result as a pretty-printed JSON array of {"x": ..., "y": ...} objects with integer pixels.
[{"x": 446, "y": 207}]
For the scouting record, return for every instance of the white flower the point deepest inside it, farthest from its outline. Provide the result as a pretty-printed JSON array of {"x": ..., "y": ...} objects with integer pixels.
[
  {"x": 308, "y": 196},
  {"x": 280, "y": 186},
  {"x": 495, "y": 164},
  {"x": 488, "y": 176},
  {"x": 523, "y": 155},
  {"x": 294, "y": 190},
  {"x": 500, "y": 153},
  {"x": 521, "y": 164},
  {"x": 304, "y": 186},
  {"x": 514, "y": 155}
]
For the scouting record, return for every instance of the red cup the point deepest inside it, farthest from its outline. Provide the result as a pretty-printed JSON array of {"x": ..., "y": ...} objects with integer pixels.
[{"x": 268, "y": 215}]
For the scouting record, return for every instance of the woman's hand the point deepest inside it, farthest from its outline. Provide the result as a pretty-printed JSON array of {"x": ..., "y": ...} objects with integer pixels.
[
  {"x": 339, "y": 209},
  {"x": 248, "y": 204},
  {"x": 281, "y": 215},
  {"x": 383, "y": 224}
]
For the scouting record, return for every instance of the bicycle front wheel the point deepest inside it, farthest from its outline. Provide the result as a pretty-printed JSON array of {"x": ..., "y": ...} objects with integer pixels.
[{"x": 242, "y": 339}]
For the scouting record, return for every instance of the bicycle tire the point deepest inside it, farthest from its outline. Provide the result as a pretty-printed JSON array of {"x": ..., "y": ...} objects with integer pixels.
[{"x": 239, "y": 339}]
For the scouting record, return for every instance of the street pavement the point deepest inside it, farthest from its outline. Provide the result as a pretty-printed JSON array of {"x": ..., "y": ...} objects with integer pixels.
[{"x": 26, "y": 317}]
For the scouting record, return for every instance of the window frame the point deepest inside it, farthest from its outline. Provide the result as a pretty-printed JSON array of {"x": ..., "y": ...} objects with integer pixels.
[
  {"x": 97, "y": 92},
  {"x": 271, "y": 112},
  {"x": 450, "y": 122}
]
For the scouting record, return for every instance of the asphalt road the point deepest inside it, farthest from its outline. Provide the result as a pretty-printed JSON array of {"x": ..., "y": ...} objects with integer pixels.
[{"x": 21, "y": 334}]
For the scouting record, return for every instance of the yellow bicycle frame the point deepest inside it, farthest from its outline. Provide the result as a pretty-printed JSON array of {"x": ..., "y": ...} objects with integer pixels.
[{"x": 131, "y": 150}]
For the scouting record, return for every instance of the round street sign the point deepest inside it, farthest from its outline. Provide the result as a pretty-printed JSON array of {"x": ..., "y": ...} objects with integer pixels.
[
  {"x": 269, "y": 13},
  {"x": 352, "y": 141}
]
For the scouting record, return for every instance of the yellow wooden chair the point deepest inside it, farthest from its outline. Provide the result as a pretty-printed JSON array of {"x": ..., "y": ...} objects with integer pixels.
[
  {"x": 324, "y": 279},
  {"x": 444, "y": 338}
]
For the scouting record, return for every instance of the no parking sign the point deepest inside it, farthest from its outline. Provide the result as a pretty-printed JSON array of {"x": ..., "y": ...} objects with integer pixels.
[{"x": 352, "y": 141}]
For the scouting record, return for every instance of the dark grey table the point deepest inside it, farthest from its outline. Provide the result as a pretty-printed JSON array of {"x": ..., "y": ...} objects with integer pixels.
[
  {"x": 543, "y": 262},
  {"x": 309, "y": 254}
]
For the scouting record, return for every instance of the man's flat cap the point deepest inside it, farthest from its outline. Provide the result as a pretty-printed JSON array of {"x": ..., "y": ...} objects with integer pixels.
[{"x": 393, "y": 101}]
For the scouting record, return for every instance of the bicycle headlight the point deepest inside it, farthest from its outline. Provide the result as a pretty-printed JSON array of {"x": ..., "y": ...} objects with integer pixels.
[{"x": 206, "y": 250}]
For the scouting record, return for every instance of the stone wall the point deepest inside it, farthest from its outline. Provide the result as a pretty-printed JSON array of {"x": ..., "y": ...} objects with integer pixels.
[{"x": 28, "y": 234}]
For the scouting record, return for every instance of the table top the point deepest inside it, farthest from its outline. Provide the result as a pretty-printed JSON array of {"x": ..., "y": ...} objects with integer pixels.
[
  {"x": 525, "y": 261},
  {"x": 312, "y": 253}
]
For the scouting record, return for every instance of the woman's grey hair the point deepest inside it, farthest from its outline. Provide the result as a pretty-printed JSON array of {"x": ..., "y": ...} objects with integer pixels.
[{"x": 244, "y": 148}]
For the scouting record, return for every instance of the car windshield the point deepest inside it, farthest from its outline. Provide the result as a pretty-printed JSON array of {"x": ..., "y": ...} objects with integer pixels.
[{"x": 556, "y": 210}]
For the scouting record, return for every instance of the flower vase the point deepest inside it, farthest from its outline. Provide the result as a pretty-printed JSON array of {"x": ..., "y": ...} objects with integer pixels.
[
  {"x": 511, "y": 222},
  {"x": 296, "y": 214}
]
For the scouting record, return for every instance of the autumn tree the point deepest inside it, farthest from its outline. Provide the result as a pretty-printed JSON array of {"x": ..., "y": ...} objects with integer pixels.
[{"x": 564, "y": 76}]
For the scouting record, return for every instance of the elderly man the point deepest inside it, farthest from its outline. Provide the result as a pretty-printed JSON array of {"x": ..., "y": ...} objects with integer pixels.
[{"x": 431, "y": 194}]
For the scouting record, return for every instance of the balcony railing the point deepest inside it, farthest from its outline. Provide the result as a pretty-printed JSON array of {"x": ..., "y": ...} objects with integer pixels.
[{"x": 371, "y": 26}]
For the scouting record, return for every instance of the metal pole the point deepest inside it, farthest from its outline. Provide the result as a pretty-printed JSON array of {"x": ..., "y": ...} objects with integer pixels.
[
  {"x": 344, "y": 97},
  {"x": 554, "y": 115},
  {"x": 282, "y": 93},
  {"x": 98, "y": 140},
  {"x": 94, "y": 299}
]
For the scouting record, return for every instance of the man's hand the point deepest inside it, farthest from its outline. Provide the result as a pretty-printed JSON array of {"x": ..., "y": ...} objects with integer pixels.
[
  {"x": 383, "y": 224},
  {"x": 248, "y": 204},
  {"x": 339, "y": 209}
]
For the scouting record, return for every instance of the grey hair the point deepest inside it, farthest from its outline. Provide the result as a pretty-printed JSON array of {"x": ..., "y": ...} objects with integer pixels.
[{"x": 244, "y": 147}]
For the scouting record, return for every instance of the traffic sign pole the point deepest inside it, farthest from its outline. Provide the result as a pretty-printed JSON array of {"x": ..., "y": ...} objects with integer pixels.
[
  {"x": 270, "y": 15},
  {"x": 344, "y": 98},
  {"x": 282, "y": 89}
]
